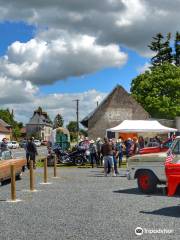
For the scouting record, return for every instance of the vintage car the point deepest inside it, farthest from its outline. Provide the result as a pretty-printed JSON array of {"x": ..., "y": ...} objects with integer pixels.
[
  {"x": 154, "y": 147},
  {"x": 6, "y": 161},
  {"x": 149, "y": 169}
]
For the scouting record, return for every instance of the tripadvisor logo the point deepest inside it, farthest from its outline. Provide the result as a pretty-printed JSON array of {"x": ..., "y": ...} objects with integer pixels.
[{"x": 139, "y": 231}]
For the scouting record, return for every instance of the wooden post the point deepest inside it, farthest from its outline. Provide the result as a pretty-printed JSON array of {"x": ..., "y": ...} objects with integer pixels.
[
  {"x": 13, "y": 183},
  {"x": 31, "y": 172},
  {"x": 45, "y": 170},
  {"x": 55, "y": 166}
]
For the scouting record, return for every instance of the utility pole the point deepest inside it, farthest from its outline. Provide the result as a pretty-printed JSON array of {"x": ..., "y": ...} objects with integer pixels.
[{"x": 77, "y": 115}]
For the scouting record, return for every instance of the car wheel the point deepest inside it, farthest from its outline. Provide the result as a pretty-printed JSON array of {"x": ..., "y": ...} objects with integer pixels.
[
  {"x": 147, "y": 182},
  {"x": 78, "y": 161},
  {"x": 19, "y": 176}
]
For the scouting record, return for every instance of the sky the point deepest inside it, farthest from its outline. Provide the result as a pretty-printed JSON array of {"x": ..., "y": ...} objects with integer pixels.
[{"x": 53, "y": 52}]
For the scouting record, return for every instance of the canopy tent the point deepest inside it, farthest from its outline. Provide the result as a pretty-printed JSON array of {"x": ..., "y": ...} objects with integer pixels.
[{"x": 140, "y": 126}]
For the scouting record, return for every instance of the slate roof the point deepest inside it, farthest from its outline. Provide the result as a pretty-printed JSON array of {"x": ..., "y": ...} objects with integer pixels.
[{"x": 39, "y": 119}]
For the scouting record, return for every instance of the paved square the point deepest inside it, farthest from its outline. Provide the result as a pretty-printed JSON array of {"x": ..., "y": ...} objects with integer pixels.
[{"x": 83, "y": 204}]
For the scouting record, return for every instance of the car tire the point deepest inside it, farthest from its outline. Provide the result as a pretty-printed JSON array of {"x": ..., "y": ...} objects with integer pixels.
[
  {"x": 147, "y": 182},
  {"x": 78, "y": 161},
  {"x": 19, "y": 176}
]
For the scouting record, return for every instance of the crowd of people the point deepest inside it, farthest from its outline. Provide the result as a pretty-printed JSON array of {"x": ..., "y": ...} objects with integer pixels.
[
  {"x": 110, "y": 152},
  {"x": 107, "y": 152}
]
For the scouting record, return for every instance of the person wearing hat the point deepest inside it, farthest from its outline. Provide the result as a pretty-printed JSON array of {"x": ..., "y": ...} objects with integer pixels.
[
  {"x": 4, "y": 146},
  {"x": 93, "y": 153}
]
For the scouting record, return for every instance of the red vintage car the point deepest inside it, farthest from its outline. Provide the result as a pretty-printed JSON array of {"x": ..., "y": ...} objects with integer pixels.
[
  {"x": 154, "y": 147},
  {"x": 6, "y": 161}
]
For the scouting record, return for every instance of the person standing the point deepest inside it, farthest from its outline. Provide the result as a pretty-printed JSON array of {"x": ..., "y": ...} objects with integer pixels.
[
  {"x": 4, "y": 146},
  {"x": 141, "y": 142},
  {"x": 134, "y": 147},
  {"x": 31, "y": 152},
  {"x": 93, "y": 153},
  {"x": 119, "y": 149},
  {"x": 128, "y": 144},
  {"x": 107, "y": 153},
  {"x": 98, "y": 146}
]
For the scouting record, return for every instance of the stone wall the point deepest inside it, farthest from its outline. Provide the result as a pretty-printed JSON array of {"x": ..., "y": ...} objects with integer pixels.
[{"x": 118, "y": 107}]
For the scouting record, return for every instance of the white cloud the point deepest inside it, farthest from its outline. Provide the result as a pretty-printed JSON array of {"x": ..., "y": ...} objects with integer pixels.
[
  {"x": 44, "y": 62},
  {"x": 128, "y": 22},
  {"x": 75, "y": 38},
  {"x": 59, "y": 103},
  {"x": 144, "y": 68},
  {"x": 16, "y": 91}
]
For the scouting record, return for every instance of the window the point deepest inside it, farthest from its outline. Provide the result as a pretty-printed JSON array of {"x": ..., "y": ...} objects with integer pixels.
[{"x": 176, "y": 148}]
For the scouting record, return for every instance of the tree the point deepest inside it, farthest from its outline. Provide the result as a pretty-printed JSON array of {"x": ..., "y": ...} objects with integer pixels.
[
  {"x": 8, "y": 117},
  {"x": 162, "y": 49},
  {"x": 72, "y": 127},
  {"x": 58, "y": 121},
  {"x": 177, "y": 49},
  {"x": 158, "y": 91}
]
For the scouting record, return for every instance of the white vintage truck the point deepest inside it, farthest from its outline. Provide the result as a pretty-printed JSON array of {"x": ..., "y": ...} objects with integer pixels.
[{"x": 149, "y": 169}]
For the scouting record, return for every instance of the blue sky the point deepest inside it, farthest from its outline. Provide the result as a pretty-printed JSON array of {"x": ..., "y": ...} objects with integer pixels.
[
  {"x": 52, "y": 52},
  {"x": 104, "y": 80}
]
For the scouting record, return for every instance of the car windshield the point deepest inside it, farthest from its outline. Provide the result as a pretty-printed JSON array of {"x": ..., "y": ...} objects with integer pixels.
[
  {"x": 5, "y": 155},
  {"x": 175, "y": 147},
  {"x": 14, "y": 142}
]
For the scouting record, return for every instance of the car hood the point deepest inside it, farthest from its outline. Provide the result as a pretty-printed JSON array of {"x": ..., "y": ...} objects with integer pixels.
[{"x": 161, "y": 156}]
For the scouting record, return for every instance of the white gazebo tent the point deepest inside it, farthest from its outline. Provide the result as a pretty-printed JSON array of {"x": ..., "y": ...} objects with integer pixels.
[{"x": 141, "y": 126}]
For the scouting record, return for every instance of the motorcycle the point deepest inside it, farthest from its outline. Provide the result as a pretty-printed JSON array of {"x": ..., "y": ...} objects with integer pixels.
[{"x": 76, "y": 157}]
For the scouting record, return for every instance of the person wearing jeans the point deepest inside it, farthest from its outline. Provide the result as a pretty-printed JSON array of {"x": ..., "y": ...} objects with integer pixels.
[{"x": 107, "y": 152}]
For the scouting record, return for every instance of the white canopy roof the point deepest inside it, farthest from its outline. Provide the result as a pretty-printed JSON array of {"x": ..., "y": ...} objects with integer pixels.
[{"x": 140, "y": 126}]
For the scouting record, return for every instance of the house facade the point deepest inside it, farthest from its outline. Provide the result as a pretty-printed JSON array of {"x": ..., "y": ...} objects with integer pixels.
[
  {"x": 118, "y": 106},
  {"x": 39, "y": 126},
  {"x": 5, "y": 130}
]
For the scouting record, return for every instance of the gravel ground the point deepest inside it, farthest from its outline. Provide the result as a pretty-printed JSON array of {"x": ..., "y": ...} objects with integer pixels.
[{"x": 83, "y": 204}]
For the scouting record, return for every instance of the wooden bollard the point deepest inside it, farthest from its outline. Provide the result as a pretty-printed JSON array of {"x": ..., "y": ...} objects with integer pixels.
[
  {"x": 31, "y": 173},
  {"x": 55, "y": 166},
  {"x": 13, "y": 183},
  {"x": 45, "y": 170}
]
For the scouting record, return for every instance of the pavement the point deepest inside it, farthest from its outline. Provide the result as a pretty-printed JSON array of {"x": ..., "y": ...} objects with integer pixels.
[{"x": 83, "y": 204}]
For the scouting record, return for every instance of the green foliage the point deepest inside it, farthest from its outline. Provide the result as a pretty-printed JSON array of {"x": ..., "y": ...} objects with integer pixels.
[
  {"x": 8, "y": 117},
  {"x": 177, "y": 49},
  {"x": 58, "y": 121},
  {"x": 72, "y": 126},
  {"x": 162, "y": 50},
  {"x": 158, "y": 91}
]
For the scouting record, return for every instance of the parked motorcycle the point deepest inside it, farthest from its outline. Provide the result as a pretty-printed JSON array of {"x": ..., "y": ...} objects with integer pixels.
[{"x": 76, "y": 157}]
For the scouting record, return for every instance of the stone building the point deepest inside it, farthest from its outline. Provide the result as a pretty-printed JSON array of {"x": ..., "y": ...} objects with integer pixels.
[
  {"x": 118, "y": 106},
  {"x": 5, "y": 130},
  {"x": 40, "y": 125}
]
